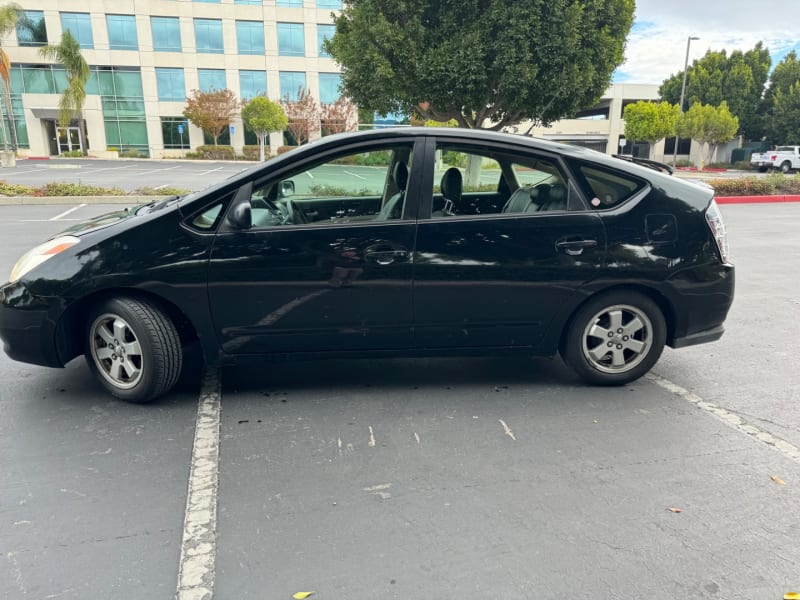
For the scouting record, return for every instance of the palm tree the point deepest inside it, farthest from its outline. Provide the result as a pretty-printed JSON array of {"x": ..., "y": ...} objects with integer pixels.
[
  {"x": 8, "y": 22},
  {"x": 68, "y": 55}
]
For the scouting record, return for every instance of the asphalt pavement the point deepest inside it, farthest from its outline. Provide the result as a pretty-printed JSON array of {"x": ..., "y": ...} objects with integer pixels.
[{"x": 465, "y": 478}]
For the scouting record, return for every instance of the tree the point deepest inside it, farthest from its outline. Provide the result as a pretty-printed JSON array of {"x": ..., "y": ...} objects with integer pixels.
[
  {"x": 785, "y": 121},
  {"x": 211, "y": 111},
  {"x": 708, "y": 125},
  {"x": 9, "y": 15},
  {"x": 303, "y": 115},
  {"x": 737, "y": 79},
  {"x": 68, "y": 54},
  {"x": 486, "y": 64},
  {"x": 650, "y": 121},
  {"x": 262, "y": 117},
  {"x": 783, "y": 78},
  {"x": 339, "y": 116}
]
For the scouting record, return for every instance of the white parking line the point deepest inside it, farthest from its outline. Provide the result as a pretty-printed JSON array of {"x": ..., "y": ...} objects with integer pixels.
[
  {"x": 157, "y": 170},
  {"x": 211, "y": 171},
  {"x": 66, "y": 212},
  {"x": 355, "y": 175},
  {"x": 729, "y": 418},
  {"x": 199, "y": 546}
]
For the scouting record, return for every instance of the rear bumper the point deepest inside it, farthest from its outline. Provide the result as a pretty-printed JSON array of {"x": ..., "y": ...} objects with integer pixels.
[
  {"x": 700, "y": 337},
  {"x": 27, "y": 329},
  {"x": 701, "y": 299}
]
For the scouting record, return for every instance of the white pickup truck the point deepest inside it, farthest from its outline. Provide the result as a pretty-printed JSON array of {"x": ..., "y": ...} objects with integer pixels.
[{"x": 784, "y": 158}]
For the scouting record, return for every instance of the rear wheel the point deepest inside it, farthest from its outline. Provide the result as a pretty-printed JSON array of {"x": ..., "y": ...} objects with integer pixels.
[
  {"x": 133, "y": 348},
  {"x": 786, "y": 166},
  {"x": 615, "y": 338}
]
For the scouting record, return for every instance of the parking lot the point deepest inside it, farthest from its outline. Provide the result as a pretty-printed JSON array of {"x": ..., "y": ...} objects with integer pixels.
[{"x": 463, "y": 478}]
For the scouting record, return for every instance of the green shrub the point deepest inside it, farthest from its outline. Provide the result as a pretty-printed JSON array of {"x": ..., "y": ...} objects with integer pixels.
[
  {"x": 72, "y": 154},
  {"x": 684, "y": 163},
  {"x": 455, "y": 159},
  {"x": 776, "y": 183},
  {"x": 252, "y": 152},
  {"x": 719, "y": 165},
  {"x": 743, "y": 165},
  {"x": 321, "y": 190},
  {"x": 162, "y": 191},
  {"x": 13, "y": 189},
  {"x": 215, "y": 152},
  {"x": 284, "y": 149},
  {"x": 76, "y": 189},
  {"x": 132, "y": 153}
]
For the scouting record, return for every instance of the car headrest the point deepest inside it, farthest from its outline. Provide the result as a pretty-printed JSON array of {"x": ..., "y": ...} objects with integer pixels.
[
  {"x": 400, "y": 175},
  {"x": 452, "y": 184}
]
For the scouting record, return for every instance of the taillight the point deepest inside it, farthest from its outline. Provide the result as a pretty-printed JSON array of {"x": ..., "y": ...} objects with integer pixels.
[
  {"x": 773, "y": 158},
  {"x": 717, "y": 226}
]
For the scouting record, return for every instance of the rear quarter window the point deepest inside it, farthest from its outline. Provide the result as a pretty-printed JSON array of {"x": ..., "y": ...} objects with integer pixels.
[{"x": 606, "y": 188}]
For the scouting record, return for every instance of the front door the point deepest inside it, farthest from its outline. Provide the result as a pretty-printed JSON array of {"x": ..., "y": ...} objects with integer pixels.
[
  {"x": 69, "y": 139},
  {"x": 327, "y": 263}
]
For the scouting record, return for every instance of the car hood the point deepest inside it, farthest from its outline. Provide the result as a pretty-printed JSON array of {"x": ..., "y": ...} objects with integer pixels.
[{"x": 115, "y": 217}]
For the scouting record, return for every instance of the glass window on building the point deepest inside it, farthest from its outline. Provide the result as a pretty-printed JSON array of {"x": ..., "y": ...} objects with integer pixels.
[
  {"x": 252, "y": 84},
  {"x": 329, "y": 87},
  {"x": 332, "y": 4},
  {"x": 175, "y": 132},
  {"x": 290, "y": 3},
  {"x": 291, "y": 39},
  {"x": 324, "y": 32},
  {"x": 80, "y": 26},
  {"x": 211, "y": 79},
  {"x": 207, "y": 1},
  {"x": 122, "y": 32},
  {"x": 291, "y": 84},
  {"x": 166, "y": 34},
  {"x": 208, "y": 36},
  {"x": 171, "y": 84},
  {"x": 31, "y": 30},
  {"x": 250, "y": 2},
  {"x": 250, "y": 37}
]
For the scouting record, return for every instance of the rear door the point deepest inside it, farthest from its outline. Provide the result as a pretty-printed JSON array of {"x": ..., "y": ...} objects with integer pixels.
[{"x": 500, "y": 276}]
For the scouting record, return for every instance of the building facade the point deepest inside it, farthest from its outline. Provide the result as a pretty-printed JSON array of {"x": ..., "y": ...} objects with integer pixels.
[{"x": 147, "y": 55}]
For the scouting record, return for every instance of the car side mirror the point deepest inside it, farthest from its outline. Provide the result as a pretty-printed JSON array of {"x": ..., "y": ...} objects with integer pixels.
[
  {"x": 241, "y": 217},
  {"x": 287, "y": 188}
]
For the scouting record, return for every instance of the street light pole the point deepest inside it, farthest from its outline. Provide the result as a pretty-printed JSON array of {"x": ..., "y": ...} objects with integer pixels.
[{"x": 683, "y": 92}]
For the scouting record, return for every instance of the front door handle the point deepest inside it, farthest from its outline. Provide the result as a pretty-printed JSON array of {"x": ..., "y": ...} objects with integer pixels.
[
  {"x": 384, "y": 254},
  {"x": 574, "y": 247}
]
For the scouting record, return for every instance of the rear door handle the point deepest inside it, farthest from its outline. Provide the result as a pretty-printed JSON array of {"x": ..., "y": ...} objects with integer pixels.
[{"x": 574, "y": 247}]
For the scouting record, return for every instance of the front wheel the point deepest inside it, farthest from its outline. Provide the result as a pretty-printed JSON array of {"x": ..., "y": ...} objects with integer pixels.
[
  {"x": 615, "y": 338},
  {"x": 132, "y": 348}
]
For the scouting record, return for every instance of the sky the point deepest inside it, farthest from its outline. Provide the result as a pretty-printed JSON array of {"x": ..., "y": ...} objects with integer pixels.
[{"x": 656, "y": 45}]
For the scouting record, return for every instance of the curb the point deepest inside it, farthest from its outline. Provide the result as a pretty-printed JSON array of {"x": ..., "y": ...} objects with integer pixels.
[
  {"x": 32, "y": 200},
  {"x": 756, "y": 199}
]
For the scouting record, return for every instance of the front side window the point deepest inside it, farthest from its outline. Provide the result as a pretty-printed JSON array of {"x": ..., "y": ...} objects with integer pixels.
[
  {"x": 472, "y": 181},
  {"x": 31, "y": 30},
  {"x": 208, "y": 36},
  {"x": 365, "y": 186},
  {"x": 211, "y": 79},
  {"x": 80, "y": 26},
  {"x": 166, "y": 34},
  {"x": 122, "y": 32},
  {"x": 291, "y": 40},
  {"x": 250, "y": 37},
  {"x": 170, "y": 83}
]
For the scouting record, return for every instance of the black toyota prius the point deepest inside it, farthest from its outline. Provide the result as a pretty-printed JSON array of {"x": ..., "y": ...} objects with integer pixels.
[{"x": 396, "y": 242}]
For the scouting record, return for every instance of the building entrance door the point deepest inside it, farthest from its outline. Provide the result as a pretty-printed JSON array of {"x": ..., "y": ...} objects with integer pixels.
[{"x": 69, "y": 139}]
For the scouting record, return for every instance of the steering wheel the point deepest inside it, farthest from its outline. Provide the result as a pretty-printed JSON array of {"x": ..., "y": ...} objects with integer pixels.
[{"x": 292, "y": 214}]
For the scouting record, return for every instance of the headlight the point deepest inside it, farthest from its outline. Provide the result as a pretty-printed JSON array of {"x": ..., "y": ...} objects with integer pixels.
[{"x": 33, "y": 258}]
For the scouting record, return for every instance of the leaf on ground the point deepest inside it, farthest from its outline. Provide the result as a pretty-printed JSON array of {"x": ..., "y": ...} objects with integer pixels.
[
  {"x": 777, "y": 480},
  {"x": 301, "y": 595},
  {"x": 791, "y": 596},
  {"x": 674, "y": 509}
]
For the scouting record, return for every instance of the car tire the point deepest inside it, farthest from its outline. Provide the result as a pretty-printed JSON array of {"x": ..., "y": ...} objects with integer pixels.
[
  {"x": 786, "y": 167},
  {"x": 615, "y": 338},
  {"x": 133, "y": 348}
]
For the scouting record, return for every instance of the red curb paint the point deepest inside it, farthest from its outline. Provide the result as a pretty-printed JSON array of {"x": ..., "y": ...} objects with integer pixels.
[{"x": 755, "y": 199}]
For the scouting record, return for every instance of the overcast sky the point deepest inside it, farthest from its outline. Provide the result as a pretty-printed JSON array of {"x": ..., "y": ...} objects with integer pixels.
[{"x": 657, "y": 43}]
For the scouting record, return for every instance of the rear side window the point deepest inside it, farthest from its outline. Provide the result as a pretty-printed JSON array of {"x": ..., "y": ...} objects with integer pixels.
[{"x": 607, "y": 189}]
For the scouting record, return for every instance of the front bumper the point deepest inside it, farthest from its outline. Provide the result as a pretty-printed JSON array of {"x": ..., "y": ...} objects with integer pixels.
[{"x": 27, "y": 328}]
